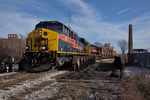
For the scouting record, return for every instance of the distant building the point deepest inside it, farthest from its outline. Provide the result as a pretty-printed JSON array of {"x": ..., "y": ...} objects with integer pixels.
[
  {"x": 107, "y": 44},
  {"x": 107, "y": 51},
  {"x": 141, "y": 57},
  {"x": 140, "y": 51},
  {"x": 12, "y": 46}
]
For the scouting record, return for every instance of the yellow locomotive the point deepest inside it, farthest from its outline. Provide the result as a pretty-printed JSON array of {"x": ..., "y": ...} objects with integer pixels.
[{"x": 55, "y": 44}]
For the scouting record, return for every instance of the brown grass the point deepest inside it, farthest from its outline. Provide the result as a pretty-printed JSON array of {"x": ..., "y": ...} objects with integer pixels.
[{"x": 135, "y": 88}]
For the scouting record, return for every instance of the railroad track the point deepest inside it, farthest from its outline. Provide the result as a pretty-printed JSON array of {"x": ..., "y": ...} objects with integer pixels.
[
  {"x": 16, "y": 85},
  {"x": 25, "y": 83},
  {"x": 5, "y": 74},
  {"x": 17, "y": 78},
  {"x": 6, "y": 77},
  {"x": 85, "y": 84}
]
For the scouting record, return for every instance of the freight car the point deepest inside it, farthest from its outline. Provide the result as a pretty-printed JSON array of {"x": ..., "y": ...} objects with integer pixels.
[{"x": 55, "y": 44}]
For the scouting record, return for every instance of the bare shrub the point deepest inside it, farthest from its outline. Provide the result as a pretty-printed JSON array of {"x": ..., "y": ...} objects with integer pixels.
[
  {"x": 135, "y": 88},
  {"x": 123, "y": 45}
]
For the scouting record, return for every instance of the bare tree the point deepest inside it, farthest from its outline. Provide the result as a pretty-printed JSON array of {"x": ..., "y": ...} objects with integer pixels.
[
  {"x": 22, "y": 36},
  {"x": 123, "y": 45},
  {"x": 21, "y": 44}
]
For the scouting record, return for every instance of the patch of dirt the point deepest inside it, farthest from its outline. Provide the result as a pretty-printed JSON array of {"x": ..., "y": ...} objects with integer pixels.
[{"x": 88, "y": 84}]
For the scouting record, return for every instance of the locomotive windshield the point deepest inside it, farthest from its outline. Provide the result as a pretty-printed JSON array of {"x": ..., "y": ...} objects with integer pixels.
[
  {"x": 37, "y": 43},
  {"x": 55, "y": 26}
]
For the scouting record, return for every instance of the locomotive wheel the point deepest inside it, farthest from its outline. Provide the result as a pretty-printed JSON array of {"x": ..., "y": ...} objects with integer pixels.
[
  {"x": 82, "y": 63},
  {"x": 74, "y": 67},
  {"x": 77, "y": 68}
]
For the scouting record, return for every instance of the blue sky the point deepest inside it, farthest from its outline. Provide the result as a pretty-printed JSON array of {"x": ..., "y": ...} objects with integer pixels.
[{"x": 104, "y": 21}]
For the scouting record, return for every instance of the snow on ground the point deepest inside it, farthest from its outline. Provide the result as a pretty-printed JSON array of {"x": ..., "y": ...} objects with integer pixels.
[
  {"x": 134, "y": 70},
  {"x": 13, "y": 90}
]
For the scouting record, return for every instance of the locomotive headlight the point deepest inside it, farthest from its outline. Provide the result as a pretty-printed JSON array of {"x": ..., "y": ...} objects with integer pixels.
[
  {"x": 40, "y": 32},
  {"x": 43, "y": 48},
  {"x": 27, "y": 47}
]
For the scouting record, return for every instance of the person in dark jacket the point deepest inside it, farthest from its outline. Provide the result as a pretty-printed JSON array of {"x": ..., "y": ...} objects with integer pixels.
[
  {"x": 115, "y": 67},
  {"x": 119, "y": 63},
  {"x": 9, "y": 62},
  {"x": 122, "y": 66}
]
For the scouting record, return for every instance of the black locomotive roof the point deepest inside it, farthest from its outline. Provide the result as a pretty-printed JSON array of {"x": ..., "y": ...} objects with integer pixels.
[
  {"x": 93, "y": 45},
  {"x": 83, "y": 40},
  {"x": 48, "y": 23}
]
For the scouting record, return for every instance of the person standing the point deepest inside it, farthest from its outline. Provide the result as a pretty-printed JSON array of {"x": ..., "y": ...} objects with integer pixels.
[
  {"x": 122, "y": 66},
  {"x": 10, "y": 64}
]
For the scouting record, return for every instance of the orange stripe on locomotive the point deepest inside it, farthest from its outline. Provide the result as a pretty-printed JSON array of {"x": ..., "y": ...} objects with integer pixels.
[{"x": 70, "y": 40}]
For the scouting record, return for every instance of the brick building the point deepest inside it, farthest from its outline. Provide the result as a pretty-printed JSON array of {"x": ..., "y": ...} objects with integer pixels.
[
  {"x": 107, "y": 51},
  {"x": 13, "y": 46}
]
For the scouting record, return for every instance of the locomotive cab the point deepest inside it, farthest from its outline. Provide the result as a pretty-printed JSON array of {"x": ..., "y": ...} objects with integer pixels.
[
  {"x": 41, "y": 45},
  {"x": 38, "y": 40}
]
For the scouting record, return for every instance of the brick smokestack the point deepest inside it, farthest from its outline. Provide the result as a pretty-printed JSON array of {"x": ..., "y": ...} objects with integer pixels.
[{"x": 130, "y": 45}]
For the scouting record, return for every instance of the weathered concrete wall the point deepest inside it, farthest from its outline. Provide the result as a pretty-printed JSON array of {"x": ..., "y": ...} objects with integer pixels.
[{"x": 143, "y": 59}]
